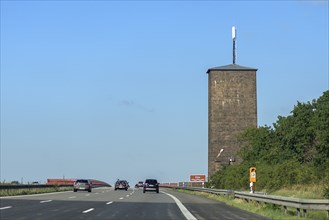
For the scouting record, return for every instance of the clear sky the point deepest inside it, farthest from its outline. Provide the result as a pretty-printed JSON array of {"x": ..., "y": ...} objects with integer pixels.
[{"x": 118, "y": 89}]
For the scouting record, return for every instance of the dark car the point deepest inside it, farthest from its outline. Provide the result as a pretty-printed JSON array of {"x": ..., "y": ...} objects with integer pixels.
[
  {"x": 140, "y": 184},
  {"x": 121, "y": 184},
  {"x": 151, "y": 185},
  {"x": 82, "y": 184}
]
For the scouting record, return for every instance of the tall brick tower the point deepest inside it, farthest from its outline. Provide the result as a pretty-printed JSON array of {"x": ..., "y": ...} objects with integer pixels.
[{"x": 232, "y": 107}]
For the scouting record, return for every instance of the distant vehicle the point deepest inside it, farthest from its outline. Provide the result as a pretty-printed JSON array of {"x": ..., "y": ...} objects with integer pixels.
[
  {"x": 15, "y": 182},
  {"x": 140, "y": 184},
  {"x": 35, "y": 183},
  {"x": 121, "y": 184},
  {"x": 82, "y": 184},
  {"x": 151, "y": 185}
]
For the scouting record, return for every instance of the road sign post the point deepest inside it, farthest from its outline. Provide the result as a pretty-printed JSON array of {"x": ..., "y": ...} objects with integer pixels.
[{"x": 198, "y": 178}]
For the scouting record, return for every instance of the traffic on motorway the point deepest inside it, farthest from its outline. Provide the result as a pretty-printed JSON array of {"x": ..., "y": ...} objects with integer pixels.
[{"x": 112, "y": 203}]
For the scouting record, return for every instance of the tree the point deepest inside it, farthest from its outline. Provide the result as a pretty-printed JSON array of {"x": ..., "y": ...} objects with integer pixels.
[
  {"x": 320, "y": 123},
  {"x": 294, "y": 151}
]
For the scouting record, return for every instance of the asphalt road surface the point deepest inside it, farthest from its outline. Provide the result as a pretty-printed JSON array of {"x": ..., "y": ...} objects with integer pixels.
[{"x": 105, "y": 203}]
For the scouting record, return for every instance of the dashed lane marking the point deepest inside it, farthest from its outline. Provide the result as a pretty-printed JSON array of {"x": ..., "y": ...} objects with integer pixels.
[
  {"x": 35, "y": 195},
  {"x": 7, "y": 207},
  {"x": 109, "y": 203},
  {"x": 88, "y": 210},
  {"x": 121, "y": 198},
  {"x": 46, "y": 201}
]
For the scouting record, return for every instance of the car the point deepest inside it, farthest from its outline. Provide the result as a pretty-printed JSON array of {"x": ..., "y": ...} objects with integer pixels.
[
  {"x": 121, "y": 184},
  {"x": 140, "y": 184},
  {"x": 82, "y": 184},
  {"x": 151, "y": 185}
]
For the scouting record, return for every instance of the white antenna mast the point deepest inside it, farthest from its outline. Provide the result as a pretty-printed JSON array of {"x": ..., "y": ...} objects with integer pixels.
[{"x": 233, "y": 38}]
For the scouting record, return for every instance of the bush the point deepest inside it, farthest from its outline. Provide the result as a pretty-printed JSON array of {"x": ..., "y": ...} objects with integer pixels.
[
  {"x": 295, "y": 151},
  {"x": 269, "y": 177},
  {"x": 326, "y": 192}
]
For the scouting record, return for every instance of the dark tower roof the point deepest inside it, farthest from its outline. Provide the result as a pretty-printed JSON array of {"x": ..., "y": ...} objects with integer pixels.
[{"x": 232, "y": 67}]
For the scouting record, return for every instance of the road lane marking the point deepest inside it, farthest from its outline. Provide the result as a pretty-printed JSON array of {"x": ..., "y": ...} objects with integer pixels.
[
  {"x": 7, "y": 207},
  {"x": 72, "y": 197},
  {"x": 121, "y": 198},
  {"x": 127, "y": 195},
  {"x": 109, "y": 203},
  {"x": 46, "y": 201},
  {"x": 182, "y": 208},
  {"x": 87, "y": 194},
  {"x": 88, "y": 210},
  {"x": 31, "y": 195}
]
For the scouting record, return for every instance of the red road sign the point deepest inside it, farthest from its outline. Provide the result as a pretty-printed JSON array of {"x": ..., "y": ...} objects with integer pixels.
[{"x": 198, "y": 178}]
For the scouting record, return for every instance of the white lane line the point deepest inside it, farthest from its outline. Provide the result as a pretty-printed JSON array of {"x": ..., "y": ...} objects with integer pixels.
[
  {"x": 109, "y": 203},
  {"x": 72, "y": 197},
  {"x": 88, "y": 210},
  {"x": 121, "y": 198},
  {"x": 7, "y": 207},
  {"x": 46, "y": 201},
  {"x": 127, "y": 195},
  {"x": 182, "y": 208},
  {"x": 87, "y": 194},
  {"x": 41, "y": 194}
]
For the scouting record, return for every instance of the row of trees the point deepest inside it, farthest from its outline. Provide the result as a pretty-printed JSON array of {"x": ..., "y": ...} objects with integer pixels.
[{"x": 294, "y": 151}]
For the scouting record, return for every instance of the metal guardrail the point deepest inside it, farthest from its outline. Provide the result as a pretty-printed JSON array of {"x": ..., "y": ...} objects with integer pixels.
[
  {"x": 34, "y": 186},
  {"x": 301, "y": 205}
]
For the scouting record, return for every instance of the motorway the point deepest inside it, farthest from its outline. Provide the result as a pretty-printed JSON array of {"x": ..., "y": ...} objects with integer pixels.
[{"x": 105, "y": 203}]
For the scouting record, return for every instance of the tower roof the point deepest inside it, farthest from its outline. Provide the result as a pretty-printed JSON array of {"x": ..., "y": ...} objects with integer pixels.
[{"x": 232, "y": 67}]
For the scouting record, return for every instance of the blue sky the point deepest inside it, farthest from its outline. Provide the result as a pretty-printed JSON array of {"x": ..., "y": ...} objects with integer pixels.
[{"x": 118, "y": 89}]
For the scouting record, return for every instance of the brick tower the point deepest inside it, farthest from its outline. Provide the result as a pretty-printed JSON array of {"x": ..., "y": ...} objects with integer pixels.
[{"x": 232, "y": 107}]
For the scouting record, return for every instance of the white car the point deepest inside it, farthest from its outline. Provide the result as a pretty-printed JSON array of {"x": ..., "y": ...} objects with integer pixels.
[{"x": 82, "y": 184}]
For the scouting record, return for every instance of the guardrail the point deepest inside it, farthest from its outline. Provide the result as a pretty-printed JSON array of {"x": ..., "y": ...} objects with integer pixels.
[
  {"x": 300, "y": 204},
  {"x": 34, "y": 186}
]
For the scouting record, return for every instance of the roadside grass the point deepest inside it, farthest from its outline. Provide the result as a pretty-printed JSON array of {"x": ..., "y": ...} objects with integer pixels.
[
  {"x": 302, "y": 191},
  {"x": 27, "y": 191},
  {"x": 268, "y": 210}
]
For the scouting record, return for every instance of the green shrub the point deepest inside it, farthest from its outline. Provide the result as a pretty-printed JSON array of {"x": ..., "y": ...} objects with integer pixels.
[{"x": 326, "y": 192}]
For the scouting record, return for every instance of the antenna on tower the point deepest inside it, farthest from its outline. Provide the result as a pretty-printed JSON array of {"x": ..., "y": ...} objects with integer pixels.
[{"x": 233, "y": 38}]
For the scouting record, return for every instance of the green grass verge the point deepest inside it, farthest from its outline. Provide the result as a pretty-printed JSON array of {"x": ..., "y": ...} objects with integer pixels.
[
  {"x": 302, "y": 191},
  {"x": 268, "y": 210},
  {"x": 26, "y": 191}
]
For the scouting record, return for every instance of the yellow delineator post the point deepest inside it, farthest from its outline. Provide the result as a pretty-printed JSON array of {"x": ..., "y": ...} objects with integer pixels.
[{"x": 252, "y": 179}]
